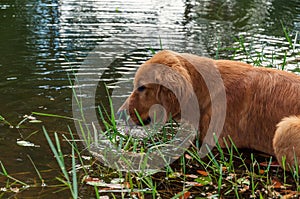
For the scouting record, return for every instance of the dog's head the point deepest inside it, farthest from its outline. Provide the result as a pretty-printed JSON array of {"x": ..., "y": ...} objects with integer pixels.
[{"x": 162, "y": 81}]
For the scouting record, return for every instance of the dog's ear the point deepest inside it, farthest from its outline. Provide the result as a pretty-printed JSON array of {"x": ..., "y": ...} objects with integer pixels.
[
  {"x": 169, "y": 101},
  {"x": 175, "y": 88}
]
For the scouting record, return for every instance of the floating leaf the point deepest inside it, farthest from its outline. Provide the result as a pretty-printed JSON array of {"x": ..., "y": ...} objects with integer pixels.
[
  {"x": 30, "y": 117},
  {"x": 191, "y": 176},
  {"x": 35, "y": 121},
  {"x": 204, "y": 173},
  {"x": 26, "y": 143},
  {"x": 194, "y": 184}
]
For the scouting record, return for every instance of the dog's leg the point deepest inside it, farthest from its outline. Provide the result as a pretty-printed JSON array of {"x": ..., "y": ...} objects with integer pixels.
[{"x": 286, "y": 142}]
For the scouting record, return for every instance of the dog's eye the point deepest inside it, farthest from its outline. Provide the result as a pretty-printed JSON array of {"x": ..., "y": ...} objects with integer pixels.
[{"x": 141, "y": 88}]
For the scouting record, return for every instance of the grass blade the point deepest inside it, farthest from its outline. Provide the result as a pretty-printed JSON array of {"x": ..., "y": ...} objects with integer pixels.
[
  {"x": 37, "y": 171},
  {"x": 10, "y": 177},
  {"x": 74, "y": 175},
  {"x": 54, "y": 115}
]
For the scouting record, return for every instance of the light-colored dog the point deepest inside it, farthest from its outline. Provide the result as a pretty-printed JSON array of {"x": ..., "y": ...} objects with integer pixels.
[{"x": 262, "y": 104}]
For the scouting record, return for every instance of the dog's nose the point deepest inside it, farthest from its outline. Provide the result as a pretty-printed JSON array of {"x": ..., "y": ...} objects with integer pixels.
[{"x": 147, "y": 121}]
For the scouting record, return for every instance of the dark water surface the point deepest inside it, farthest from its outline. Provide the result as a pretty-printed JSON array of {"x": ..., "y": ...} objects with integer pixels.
[{"x": 42, "y": 41}]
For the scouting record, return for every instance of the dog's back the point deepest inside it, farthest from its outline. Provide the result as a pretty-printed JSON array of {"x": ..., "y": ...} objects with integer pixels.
[{"x": 258, "y": 99}]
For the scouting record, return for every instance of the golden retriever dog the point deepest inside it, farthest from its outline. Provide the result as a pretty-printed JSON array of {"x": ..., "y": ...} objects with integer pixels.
[{"x": 262, "y": 104}]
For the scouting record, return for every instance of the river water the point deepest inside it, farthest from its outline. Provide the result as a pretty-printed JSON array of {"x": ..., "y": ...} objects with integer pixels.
[{"x": 43, "y": 43}]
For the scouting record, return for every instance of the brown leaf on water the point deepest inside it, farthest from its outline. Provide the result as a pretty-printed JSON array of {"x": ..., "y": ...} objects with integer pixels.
[
  {"x": 186, "y": 195},
  {"x": 204, "y": 173},
  {"x": 276, "y": 184}
]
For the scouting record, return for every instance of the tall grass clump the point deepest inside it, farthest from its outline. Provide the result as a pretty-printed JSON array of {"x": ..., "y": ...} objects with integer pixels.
[{"x": 71, "y": 183}]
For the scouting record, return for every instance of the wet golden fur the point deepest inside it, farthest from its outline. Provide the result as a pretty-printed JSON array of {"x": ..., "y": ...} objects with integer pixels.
[{"x": 262, "y": 104}]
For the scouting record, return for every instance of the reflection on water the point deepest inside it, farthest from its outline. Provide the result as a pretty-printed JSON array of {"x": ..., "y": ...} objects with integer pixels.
[{"x": 42, "y": 41}]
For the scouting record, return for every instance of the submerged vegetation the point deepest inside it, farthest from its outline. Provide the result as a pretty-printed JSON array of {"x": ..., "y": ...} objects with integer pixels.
[{"x": 223, "y": 173}]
